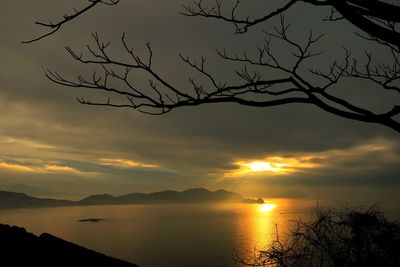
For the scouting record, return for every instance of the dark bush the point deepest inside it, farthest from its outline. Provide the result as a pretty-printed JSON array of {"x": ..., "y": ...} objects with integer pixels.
[{"x": 340, "y": 238}]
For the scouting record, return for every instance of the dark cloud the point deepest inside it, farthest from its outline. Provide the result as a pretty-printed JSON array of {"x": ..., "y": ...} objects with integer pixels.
[{"x": 191, "y": 145}]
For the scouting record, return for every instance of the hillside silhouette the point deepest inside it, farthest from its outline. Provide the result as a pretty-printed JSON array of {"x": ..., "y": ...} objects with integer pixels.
[
  {"x": 194, "y": 195},
  {"x": 20, "y": 248},
  {"x": 20, "y": 200},
  {"x": 169, "y": 196}
]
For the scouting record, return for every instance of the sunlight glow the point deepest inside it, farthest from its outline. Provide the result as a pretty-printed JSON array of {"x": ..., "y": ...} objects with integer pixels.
[
  {"x": 278, "y": 165},
  {"x": 271, "y": 166},
  {"x": 267, "y": 207},
  {"x": 259, "y": 166}
]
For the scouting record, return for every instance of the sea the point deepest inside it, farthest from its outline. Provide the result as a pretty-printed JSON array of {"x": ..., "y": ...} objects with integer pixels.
[{"x": 163, "y": 235}]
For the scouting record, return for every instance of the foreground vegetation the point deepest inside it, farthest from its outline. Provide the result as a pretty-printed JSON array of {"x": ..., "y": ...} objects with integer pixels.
[{"x": 335, "y": 237}]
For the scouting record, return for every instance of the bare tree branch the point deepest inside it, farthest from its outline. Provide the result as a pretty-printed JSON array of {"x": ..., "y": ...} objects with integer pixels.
[
  {"x": 242, "y": 25},
  {"x": 161, "y": 96},
  {"x": 362, "y": 13},
  {"x": 53, "y": 27},
  {"x": 378, "y": 20}
]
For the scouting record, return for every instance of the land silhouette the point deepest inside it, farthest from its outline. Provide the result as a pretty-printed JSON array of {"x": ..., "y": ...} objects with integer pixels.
[
  {"x": 20, "y": 248},
  {"x": 195, "y": 195}
]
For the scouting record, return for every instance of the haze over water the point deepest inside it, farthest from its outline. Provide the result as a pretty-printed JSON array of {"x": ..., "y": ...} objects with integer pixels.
[{"x": 168, "y": 234}]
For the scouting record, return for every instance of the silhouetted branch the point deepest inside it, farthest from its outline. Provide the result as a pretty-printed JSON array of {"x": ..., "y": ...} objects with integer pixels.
[
  {"x": 385, "y": 75},
  {"x": 242, "y": 25},
  {"x": 364, "y": 14},
  {"x": 293, "y": 83},
  {"x": 376, "y": 18},
  {"x": 55, "y": 26},
  {"x": 161, "y": 96},
  {"x": 360, "y": 13}
]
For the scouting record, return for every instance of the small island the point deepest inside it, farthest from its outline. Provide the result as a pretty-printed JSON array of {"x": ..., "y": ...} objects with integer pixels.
[
  {"x": 253, "y": 201},
  {"x": 91, "y": 220}
]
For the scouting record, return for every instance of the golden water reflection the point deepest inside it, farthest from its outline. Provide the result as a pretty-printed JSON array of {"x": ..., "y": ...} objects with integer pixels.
[
  {"x": 260, "y": 224},
  {"x": 267, "y": 207}
]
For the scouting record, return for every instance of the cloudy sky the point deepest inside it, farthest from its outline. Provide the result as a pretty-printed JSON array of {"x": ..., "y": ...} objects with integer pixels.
[{"x": 50, "y": 145}]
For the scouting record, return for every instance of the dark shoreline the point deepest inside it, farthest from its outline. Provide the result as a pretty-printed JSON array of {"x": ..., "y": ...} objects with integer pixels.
[{"x": 21, "y": 248}]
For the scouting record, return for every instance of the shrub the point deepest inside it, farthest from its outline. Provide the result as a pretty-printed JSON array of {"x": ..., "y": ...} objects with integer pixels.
[{"x": 335, "y": 237}]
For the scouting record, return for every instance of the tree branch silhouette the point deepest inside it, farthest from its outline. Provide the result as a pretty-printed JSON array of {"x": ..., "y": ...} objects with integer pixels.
[
  {"x": 371, "y": 16},
  {"x": 161, "y": 96},
  {"x": 54, "y": 27},
  {"x": 293, "y": 83}
]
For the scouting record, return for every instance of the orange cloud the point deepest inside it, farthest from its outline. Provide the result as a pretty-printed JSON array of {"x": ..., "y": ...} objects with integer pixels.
[
  {"x": 66, "y": 169},
  {"x": 124, "y": 163},
  {"x": 24, "y": 142},
  {"x": 16, "y": 167},
  {"x": 46, "y": 168}
]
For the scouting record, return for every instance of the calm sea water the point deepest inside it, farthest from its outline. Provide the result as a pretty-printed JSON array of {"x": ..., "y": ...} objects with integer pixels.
[{"x": 166, "y": 235}]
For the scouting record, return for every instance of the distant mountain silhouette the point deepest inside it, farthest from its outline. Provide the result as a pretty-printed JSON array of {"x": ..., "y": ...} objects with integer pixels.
[
  {"x": 195, "y": 195},
  {"x": 21, "y": 200},
  {"x": 188, "y": 196},
  {"x": 100, "y": 199},
  {"x": 20, "y": 248}
]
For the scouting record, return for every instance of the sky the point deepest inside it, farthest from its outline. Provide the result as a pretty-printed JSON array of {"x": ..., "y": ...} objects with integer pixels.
[{"x": 52, "y": 146}]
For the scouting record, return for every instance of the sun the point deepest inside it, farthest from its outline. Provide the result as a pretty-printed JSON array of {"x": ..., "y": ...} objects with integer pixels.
[
  {"x": 274, "y": 166},
  {"x": 261, "y": 166}
]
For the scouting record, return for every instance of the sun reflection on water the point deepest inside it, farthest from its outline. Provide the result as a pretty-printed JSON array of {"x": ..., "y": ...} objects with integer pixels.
[
  {"x": 267, "y": 207},
  {"x": 257, "y": 228}
]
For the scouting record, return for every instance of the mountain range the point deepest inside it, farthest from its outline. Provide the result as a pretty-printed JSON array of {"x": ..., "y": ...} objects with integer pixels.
[
  {"x": 196, "y": 195},
  {"x": 20, "y": 200}
]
